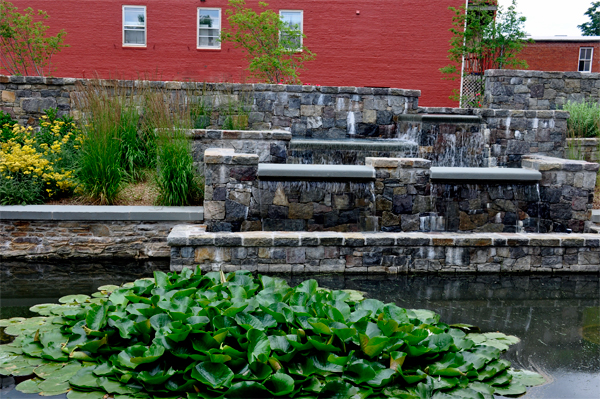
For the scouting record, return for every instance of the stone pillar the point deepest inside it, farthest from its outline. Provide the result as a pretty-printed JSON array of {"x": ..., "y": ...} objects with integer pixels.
[
  {"x": 229, "y": 180},
  {"x": 566, "y": 192},
  {"x": 402, "y": 192}
]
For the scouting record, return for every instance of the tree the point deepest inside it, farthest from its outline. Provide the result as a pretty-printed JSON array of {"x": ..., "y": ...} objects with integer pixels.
[
  {"x": 273, "y": 47},
  {"x": 25, "y": 47},
  {"x": 484, "y": 39},
  {"x": 591, "y": 28}
]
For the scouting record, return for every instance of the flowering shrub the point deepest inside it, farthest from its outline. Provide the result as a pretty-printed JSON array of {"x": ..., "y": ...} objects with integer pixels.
[{"x": 36, "y": 166}]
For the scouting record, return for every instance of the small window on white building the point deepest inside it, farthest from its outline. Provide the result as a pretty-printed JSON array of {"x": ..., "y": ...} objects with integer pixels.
[
  {"x": 585, "y": 59},
  {"x": 294, "y": 20},
  {"x": 134, "y": 26},
  {"x": 209, "y": 28}
]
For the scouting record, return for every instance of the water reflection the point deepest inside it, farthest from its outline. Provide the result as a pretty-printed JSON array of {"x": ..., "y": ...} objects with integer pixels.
[{"x": 556, "y": 316}]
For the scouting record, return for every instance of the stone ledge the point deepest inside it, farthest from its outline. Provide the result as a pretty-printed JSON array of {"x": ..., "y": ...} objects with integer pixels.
[
  {"x": 353, "y": 144},
  {"x": 543, "y": 163},
  {"x": 186, "y": 235},
  {"x": 484, "y": 174},
  {"x": 220, "y": 134},
  {"x": 101, "y": 213},
  {"x": 319, "y": 172}
]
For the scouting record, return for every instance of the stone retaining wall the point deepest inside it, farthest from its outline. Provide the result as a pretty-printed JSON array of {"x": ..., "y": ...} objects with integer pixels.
[
  {"x": 36, "y": 240},
  {"x": 393, "y": 253},
  {"x": 307, "y": 111},
  {"x": 587, "y": 149},
  {"x": 537, "y": 90}
]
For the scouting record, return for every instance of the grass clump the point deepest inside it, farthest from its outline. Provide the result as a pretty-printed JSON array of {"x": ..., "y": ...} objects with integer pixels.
[
  {"x": 238, "y": 336},
  {"x": 583, "y": 122},
  {"x": 177, "y": 180}
]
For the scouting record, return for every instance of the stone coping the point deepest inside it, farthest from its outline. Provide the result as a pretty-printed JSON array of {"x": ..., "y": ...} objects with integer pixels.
[
  {"x": 173, "y": 85},
  {"x": 220, "y": 134},
  {"x": 596, "y": 216},
  {"x": 353, "y": 144},
  {"x": 540, "y": 74},
  {"x": 545, "y": 163},
  {"x": 464, "y": 175},
  {"x": 102, "y": 213},
  {"x": 196, "y": 235},
  {"x": 272, "y": 171},
  {"x": 487, "y": 112}
]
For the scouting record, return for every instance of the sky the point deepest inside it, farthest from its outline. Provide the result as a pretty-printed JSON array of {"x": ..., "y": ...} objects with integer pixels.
[{"x": 552, "y": 17}]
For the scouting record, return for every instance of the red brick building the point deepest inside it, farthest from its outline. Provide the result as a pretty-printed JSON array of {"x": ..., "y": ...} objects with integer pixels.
[
  {"x": 563, "y": 53},
  {"x": 380, "y": 43}
]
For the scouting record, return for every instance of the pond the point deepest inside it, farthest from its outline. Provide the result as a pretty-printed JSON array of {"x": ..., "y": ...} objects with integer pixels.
[{"x": 557, "y": 317}]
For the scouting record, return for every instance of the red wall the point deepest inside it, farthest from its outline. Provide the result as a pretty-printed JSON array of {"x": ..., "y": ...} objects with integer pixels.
[
  {"x": 391, "y": 43},
  {"x": 558, "y": 56}
]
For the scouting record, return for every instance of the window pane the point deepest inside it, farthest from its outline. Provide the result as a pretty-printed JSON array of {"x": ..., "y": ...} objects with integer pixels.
[
  {"x": 292, "y": 19},
  {"x": 134, "y": 37},
  {"x": 135, "y": 16},
  {"x": 209, "y": 27}
]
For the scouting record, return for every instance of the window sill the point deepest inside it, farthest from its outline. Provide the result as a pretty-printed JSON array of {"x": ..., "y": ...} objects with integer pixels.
[
  {"x": 208, "y": 48},
  {"x": 141, "y": 46}
]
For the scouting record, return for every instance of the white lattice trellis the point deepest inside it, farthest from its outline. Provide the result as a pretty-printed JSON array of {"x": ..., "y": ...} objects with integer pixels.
[{"x": 472, "y": 91}]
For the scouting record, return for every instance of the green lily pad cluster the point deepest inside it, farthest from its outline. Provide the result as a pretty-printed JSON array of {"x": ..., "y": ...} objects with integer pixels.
[{"x": 239, "y": 336}]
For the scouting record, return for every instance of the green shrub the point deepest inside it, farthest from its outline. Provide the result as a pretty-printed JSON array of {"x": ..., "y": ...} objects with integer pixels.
[
  {"x": 37, "y": 166},
  {"x": 239, "y": 336}
]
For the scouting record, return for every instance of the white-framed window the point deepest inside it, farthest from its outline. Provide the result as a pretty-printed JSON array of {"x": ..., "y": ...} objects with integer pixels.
[
  {"x": 294, "y": 19},
  {"x": 585, "y": 59},
  {"x": 209, "y": 28},
  {"x": 134, "y": 26}
]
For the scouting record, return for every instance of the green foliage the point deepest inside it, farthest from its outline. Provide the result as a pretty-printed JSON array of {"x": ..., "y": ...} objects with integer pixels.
[
  {"x": 484, "y": 40},
  {"x": 273, "y": 48},
  {"x": 6, "y": 126},
  {"x": 239, "y": 336},
  {"x": 591, "y": 28},
  {"x": 25, "y": 47}
]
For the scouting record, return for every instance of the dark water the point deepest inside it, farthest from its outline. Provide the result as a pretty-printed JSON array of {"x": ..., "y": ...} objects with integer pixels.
[{"x": 557, "y": 317}]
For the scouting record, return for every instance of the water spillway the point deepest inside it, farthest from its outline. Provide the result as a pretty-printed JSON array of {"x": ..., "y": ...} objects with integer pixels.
[{"x": 351, "y": 151}]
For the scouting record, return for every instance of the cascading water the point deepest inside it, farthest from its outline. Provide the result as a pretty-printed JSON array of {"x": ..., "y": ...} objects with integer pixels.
[{"x": 351, "y": 125}]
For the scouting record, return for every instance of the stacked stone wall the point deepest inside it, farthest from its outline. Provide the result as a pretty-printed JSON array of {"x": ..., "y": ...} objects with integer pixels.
[
  {"x": 36, "y": 240},
  {"x": 537, "y": 90},
  {"x": 587, "y": 149},
  {"x": 392, "y": 253},
  {"x": 566, "y": 192},
  {"x": 306, "y": 111},
  {"x": 402, "y": 198}
]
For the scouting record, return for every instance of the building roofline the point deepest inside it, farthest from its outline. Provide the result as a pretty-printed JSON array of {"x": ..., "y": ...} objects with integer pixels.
[{"x": 565, "y": 38}]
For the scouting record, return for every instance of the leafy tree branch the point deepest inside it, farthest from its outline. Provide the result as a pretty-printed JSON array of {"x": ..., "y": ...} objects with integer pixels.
[
  {"x": 25, "y": 47},
  {"x": 273, "y": 47}
]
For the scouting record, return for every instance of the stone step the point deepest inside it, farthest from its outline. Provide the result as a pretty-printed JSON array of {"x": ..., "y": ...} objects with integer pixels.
[{"x": 101, "y": 213}]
